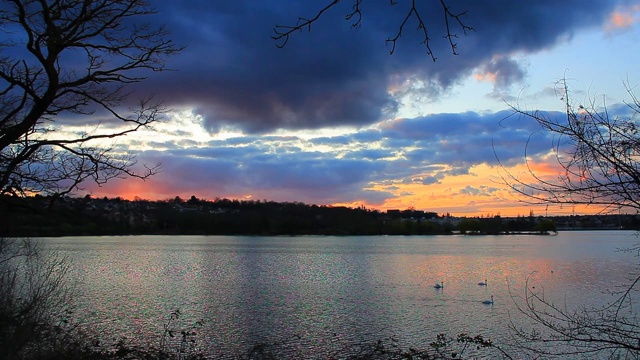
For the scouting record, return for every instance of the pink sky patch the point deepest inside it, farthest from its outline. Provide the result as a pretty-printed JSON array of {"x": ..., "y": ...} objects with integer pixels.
[{"x": 623, "y": 18}]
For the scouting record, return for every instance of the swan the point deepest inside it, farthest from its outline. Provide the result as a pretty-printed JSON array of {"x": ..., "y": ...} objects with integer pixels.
[
  {"x": 488, "y": 302},
  {"x": 483, "y": 283},
  {"x": 439, "y": 286}
]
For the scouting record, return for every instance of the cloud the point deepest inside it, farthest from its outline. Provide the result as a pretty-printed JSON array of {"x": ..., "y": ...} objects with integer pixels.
[
  {"x": 469, "y": 190},
  {"x": 429, "y": 180},
  {"x": 365, "y": 166},
  {"x": 237, "y": 172},
  {"x": 622, "y": 18},
  {"x": 478, "y": 191},
  {"x": 233, "y": 75},
  {"x": 502, "y": 72},
  {"x": 464, "y": 139},
  {"x": 371, "y": 154}
]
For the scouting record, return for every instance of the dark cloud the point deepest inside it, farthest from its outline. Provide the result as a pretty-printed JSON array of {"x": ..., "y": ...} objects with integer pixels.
[
  {"x": 502, "y": 72},
  {"x": 232, "y": 73}
]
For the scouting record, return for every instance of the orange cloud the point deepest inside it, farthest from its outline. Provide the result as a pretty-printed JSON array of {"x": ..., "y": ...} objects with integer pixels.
[
  {"x": 479, "y": 193},
  {"x": 487, "y": 77},
  {"x": 623, "y": 18}
]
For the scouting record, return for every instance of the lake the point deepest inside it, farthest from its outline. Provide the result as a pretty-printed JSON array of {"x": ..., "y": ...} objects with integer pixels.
[{"x": 317, "y": 296}]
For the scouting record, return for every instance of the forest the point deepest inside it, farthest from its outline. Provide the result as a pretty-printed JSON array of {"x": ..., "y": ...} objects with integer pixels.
[{"x": 69, "y": 216}]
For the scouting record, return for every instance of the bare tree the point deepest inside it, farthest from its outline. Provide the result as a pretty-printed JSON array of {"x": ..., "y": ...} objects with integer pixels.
[
  {"x": 72, "y": 58},
  {"x": 608, "y": 332},
  {"x": 284, "y": 32},
  {"x": 34, "y": 297},
  {"x": 598, "y": 155}
]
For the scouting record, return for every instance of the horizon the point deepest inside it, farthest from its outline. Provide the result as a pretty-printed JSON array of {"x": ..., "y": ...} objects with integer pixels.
[
  {"x": 528, "y": 212},
  {"x": 333, "y": 119}
]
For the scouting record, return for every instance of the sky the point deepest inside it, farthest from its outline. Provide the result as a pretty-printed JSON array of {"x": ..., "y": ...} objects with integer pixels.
[{"x": 333, "y": 118}]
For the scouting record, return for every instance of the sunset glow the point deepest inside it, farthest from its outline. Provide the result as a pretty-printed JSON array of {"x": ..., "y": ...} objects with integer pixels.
[{"x": 345, "y": 124}]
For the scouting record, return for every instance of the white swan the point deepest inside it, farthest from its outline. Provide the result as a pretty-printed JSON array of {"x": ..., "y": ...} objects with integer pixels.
[
  {"x": 439, "y": 286},
  {"x": 483, "y": 283},
  {"x": 488, "y": 302}
]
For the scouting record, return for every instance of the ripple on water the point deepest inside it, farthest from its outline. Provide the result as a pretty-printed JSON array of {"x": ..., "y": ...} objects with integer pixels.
[{"x": 318, "y": 295}]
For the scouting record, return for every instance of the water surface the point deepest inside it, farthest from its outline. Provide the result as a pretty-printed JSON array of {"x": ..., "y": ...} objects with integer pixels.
[{"x": 329, "y": 292}]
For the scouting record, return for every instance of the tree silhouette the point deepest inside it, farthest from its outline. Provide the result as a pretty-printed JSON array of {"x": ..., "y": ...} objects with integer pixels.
[
  {"x": 597, "y": 155},
  {"x": 452, "y": 19},
  {"x": 69, "y": 60}
]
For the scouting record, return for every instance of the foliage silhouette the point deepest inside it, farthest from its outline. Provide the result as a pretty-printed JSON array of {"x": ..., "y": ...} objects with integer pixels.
[
  {"x": 61, "y": 63},
  {"x": 597, "y": 159}
]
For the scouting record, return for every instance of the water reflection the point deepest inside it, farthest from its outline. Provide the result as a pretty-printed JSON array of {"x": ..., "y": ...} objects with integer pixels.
[{"x": 319, "y": 294}]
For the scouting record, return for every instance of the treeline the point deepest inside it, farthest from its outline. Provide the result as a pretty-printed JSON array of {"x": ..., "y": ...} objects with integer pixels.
[
  {"x": 87, "y": 216},
  {"x": 37, "y": 216},
  {"x": 498, "y": 225}
]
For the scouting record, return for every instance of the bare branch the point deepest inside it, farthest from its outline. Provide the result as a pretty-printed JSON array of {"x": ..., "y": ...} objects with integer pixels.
[
  {"x": 284, "y": 32},
  {"x": 36, "y": 89},
  {"x": 608, "y": 332},
  {"x": 598, "y": 157}
]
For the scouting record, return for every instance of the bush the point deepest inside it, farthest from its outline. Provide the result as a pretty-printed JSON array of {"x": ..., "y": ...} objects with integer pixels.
[{"x": 33, "y": 299}]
